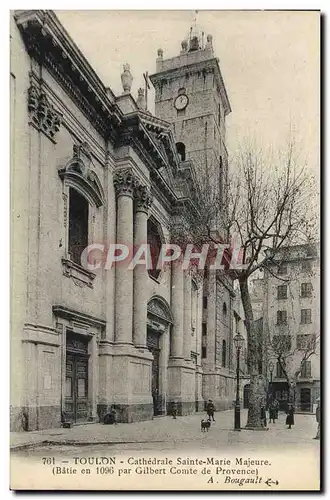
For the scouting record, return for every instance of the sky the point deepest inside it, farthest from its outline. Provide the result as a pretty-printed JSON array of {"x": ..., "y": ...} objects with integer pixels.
[{"x": 270, "y": 62}]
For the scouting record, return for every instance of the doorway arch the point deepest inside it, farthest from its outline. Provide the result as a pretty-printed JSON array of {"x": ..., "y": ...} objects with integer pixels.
[
  {"x": 159, "y": 321},
  {"x": 305, "y": 399}
]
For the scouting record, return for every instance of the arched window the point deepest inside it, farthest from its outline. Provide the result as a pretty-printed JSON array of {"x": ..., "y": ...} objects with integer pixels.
[
  {"x": 78, "y": 225},
  {"x": 155, "y": 243},
  {"x": 224, "y": 354},
  {"x": 224, "y": 308},
  {"x": 181, "y": 149},
  {"x": 84, "y": 191}
]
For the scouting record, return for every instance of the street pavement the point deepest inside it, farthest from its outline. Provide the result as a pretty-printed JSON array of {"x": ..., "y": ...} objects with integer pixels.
[
  {"x": 47, "y": 459},
  {"x": 168, "y": 433}
]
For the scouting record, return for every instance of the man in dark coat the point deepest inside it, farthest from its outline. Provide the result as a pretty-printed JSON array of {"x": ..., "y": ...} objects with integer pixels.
[
  {"x": 210, "y": 409},
  {"x": 272, "y": 412},
  {"x": 289, "y": 418},
  {"x": 276, "y": 406}
]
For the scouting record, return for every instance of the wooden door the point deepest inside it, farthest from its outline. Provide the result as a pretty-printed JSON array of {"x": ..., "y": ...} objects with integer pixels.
[
  {"x": 76, "y": 394},
  {"x": 305, "y": 399},
  {"x": 153, "y": 346},
  {"x": 76, "y": 382}
]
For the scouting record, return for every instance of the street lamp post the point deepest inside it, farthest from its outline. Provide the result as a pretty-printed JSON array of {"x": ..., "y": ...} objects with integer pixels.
[
  {"x": 238, "y": 342},
  {"x": 271, "y": 369}
]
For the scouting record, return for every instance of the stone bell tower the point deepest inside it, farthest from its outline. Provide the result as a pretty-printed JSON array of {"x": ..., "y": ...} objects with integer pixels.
[{"x": 190, "y": 93}]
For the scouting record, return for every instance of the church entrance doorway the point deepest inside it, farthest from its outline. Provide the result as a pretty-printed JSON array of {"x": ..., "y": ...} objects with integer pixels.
[
  {"x": 76, "y": 378},
  {"x": 159, "y": 322},
  {"x": 153, "y": 343}
]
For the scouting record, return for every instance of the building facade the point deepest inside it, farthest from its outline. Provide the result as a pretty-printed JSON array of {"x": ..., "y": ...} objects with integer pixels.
[
  {"x": 91, "y": 168},
  {"x": 291, "y": 324}
]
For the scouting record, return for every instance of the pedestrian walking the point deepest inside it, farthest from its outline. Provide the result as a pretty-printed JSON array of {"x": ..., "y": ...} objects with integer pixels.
[
  {"x": 276, "y": 406},
  {"x": 263, "y": 416},
  {"x": 289, "y": 417},
  {"x": 272, "y": 412},
  {"x": 210, "y": 409},
  {"x": 318, "y": 419}
]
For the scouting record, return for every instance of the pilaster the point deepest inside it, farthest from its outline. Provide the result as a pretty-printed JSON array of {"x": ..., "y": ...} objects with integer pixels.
[{"x": 143, "y": 202}]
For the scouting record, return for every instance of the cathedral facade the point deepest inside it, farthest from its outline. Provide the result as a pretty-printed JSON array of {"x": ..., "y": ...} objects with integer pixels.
[{"x": 90, "y": 168}]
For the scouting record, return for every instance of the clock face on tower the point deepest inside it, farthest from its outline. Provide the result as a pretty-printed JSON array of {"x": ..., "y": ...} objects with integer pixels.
[{"x": 181, "y": 102}]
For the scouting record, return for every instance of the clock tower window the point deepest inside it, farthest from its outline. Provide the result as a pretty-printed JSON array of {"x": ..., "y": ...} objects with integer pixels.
[{"x": 181, "y": 149}]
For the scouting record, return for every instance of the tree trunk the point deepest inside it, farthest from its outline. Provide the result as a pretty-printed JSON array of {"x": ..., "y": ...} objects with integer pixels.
[
  {"x": 292, "y": 390},
  {"x": 253, "y": 420}
]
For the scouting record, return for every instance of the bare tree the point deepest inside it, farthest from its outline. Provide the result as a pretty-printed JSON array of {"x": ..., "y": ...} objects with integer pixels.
[
  {"x": 292, "y": 356},
  {"x": 266, "y": 204}
]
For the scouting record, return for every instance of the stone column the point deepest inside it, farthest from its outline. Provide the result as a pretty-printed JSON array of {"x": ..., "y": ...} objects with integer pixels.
[
  {"x": 187, "y": 316},
  {"x": 93, "y": 378},
  {"x": 177, "y": 310},
  {"x": 140, "y": 295},
  {"x": 125, "y": 184}
]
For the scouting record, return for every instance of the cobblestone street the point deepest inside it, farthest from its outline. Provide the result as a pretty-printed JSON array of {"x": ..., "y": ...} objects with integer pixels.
[
  {"x": 288, "y": 452},
  {"x": 167, "y": 433}
]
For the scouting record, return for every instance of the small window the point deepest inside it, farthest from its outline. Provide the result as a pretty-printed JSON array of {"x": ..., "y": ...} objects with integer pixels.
[
  {"x": 306, "y": 316},
  {"x": 281, "y": 343},
  {"x": 306, "y": 369},
  {"x": 311, "y": 251},
  {"x": 306, "y": 289},
  {"x": 224, "y": 308},
  {"x": 224, "y": 353},
  {"x": 282, "y": 292},
  {"x": 204, "y": 329},
  {"x": 181, "y": 149},
  {"x": 279, "y": 371},
  {"x": 155, "y": 243},
  {"x": 78, "y": 225},
  {"x": 282, "y": 269},
  {"x": 203, "y": 352},
  {"x": 204, "y": 302},
  {"x": 306, "y": 341},
  {"x": 306, "y": 266},
  {"x": 282, "y": 317}
]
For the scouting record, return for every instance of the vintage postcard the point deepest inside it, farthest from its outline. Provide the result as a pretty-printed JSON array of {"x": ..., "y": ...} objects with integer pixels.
[{"x": 165, "y": 256}]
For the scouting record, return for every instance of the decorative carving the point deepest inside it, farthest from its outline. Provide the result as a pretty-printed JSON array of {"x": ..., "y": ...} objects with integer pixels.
[
  {"x": 43, "y": 116},
  {"x": 80, "y": 276},
  {"x": 125, "y": 182},
  {"x": 141, "y": 100},
  {"x": 75, "y": 342},
  {"x": 82, "y": 149},
  {"x": 143, "y": 199},
  {"x": 126, "y": 79},
  {"x": 158, "y": 309},
  {"x": 78, "y": 172},
  {"x": 184, "y": 46},
  {"x": 65, "y": 209},
  {"x": 209, "y": 39}
]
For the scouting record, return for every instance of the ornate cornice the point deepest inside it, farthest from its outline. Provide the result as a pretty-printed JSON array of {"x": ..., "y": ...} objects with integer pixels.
[
  {"x": 49, "y": 44},
  {"x": 43, "y": 116},
  {"x": 60, "y": 311},
  {"x": 143, "y": 198}
]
